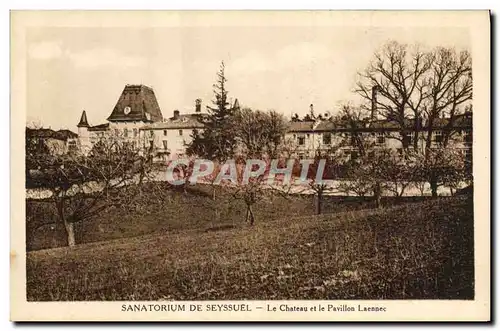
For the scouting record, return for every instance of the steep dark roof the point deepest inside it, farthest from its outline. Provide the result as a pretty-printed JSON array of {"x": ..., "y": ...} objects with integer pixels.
[
  {"x": 49, "y": 133},
  {"x": 186, "y": 121},
  {"x": 100, "y": 127},
  {"x": 83, "y": 120},
  {"x": 461, "y": 121},
  {"x": 142, "y": 101},
  {"x": 236, "y": 104},
  {"x": 67, "y": 134},
  {"x": 301, "y": 126}
]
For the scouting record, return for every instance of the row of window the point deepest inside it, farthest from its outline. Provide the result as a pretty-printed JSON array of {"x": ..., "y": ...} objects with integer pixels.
[
  {"x": 135, "y": 132},
  {"x": 408, "y": 138}
]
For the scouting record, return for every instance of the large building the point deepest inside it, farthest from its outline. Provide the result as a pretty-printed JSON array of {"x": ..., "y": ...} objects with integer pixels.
[
  {"x": 136, "y": 107},
  {"x": 311, "y": 138},
  {"x": 137, "y": 118}
]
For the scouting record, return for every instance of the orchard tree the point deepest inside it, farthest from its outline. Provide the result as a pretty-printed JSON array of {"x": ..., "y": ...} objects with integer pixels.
[
  {"x": 442, "y": 167},
  {"x": 83, "y": 186}
]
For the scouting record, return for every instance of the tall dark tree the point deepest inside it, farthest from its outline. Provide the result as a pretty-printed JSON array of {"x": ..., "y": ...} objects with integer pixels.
[{"x": 217, "y": 141}]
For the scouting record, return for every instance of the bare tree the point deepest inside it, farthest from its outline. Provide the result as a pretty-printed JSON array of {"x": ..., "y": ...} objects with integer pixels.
[
  {"x": 259, "y": 133},
  {"x": 392, "y": 82},
  {"x": 418, "y": 91},
  {"x": 84, "y": 186}
]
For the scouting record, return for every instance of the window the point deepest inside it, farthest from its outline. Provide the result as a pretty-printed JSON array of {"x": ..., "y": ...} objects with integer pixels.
[
  {"x": 327, "y": 138},
  {"x": 380, "y": 138},
  {"x": 125, "y": 132},
  {"x": 135, "y": 132},
  {"x": 308, "y": 135},
  {"x": 407, "y": 138},
  {"x": 468, "y": 156},
  {"x": 438, "y": 137},
  {"x": 468, "y": 137},
  {"x": 164, "y": 132},
  {"x": 151, "y": 133},
  {"x": 302, "y": 140},
  {"x": 165, "y": 144},
  {"x": 180, "y": 132}
]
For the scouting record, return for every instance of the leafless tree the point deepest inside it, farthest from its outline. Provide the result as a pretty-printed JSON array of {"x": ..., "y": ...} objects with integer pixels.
[
  {"x": 260, "y": 133},
  {"x": 418, "y": 91},
  {"x": 83, "y": 186}
]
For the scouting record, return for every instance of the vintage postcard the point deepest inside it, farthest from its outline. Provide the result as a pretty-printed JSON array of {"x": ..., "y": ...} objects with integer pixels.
[{"x": 250, "y": 166}]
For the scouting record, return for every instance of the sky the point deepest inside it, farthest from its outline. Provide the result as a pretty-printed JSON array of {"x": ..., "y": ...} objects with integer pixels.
[{"x": 70, "y": 69}]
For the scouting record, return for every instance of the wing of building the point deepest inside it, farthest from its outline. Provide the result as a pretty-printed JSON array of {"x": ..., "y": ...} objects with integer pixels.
[{"x": 137, "y": 117}]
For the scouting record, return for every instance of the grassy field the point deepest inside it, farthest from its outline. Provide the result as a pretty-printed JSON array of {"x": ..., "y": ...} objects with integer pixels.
[
  {"x": 160, "y": 208},
  {"x": 420, "y": 250}
]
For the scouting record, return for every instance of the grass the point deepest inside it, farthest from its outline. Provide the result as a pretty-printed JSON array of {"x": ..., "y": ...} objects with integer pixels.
[
  {"x": 167, "y": 210},
  {"x": 420, "y": 250}
]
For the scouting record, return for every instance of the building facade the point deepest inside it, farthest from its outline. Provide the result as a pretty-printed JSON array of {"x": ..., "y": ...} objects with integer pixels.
[
  {"x": 137, "y": 118},
  {"x": 312, "y": 138}
]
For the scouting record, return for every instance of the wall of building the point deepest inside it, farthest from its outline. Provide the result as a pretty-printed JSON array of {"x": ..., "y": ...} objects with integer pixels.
[
  {"x": 169, "y": 141},
  {"x": 314, "y": 141}
]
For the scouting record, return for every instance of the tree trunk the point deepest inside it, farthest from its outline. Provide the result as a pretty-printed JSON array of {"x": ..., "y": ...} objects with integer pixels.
[
  {"x": 252, "y": 218},
  {"x": 249, "y": 217},
  {"x": 141, "y": 177},
  {"x": 68, "y": 226},
  {"x": 434, "y": 187},
  {"x": 70, "y": 232},
  {"x": 214, "y": 191},
  {"x": 319, "y": 201},
  {"x": 377, "y": 194}
]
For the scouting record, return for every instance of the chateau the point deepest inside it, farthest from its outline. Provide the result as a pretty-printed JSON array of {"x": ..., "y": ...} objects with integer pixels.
[{"x": 137, "y": 118}]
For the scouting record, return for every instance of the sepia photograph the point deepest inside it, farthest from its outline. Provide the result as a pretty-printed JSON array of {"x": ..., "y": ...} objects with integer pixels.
[{"x": 309, "y": 165}]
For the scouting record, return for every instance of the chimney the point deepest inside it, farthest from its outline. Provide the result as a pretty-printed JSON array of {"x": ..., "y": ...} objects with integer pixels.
[
  {"x": 198, "y": 105},
  {"x": 374, "y": 114},
  {"x": 176, "y": 114},
  {"x": 311, "y": 109}
]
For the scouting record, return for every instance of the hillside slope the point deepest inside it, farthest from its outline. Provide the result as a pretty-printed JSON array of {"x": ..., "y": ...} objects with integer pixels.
[{"x": 419, "y": 250}]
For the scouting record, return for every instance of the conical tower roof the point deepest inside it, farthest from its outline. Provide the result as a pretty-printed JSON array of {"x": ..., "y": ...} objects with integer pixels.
[
  {"x": 83, "y": 120},
  {"x": 236, "y": 104}
]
